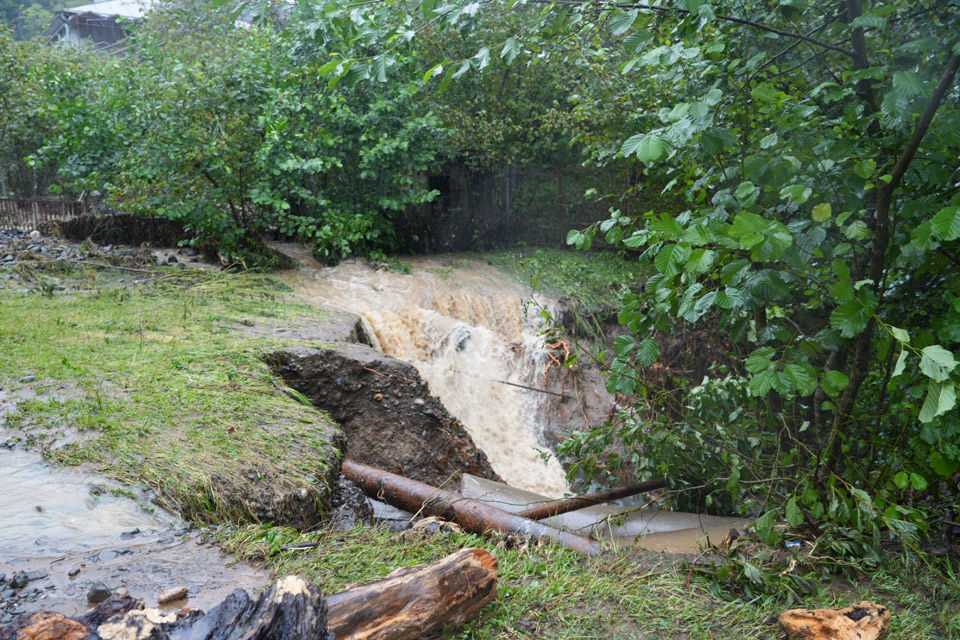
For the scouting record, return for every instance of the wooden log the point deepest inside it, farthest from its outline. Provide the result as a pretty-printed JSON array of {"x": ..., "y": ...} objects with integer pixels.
[
  {"x": 415, "y": 601},
  {"x": 471, "y": 515},
  {"x": 556, "y": 507}
]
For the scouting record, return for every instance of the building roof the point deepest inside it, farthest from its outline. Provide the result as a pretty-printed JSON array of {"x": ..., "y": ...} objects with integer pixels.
[{"x": 122, "y": 8}]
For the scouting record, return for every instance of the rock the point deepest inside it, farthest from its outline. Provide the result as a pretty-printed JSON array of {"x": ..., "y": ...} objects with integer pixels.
[
  {"x": 170, "y": 595},
  {"x": 73, "y": 573},
  {"x": 35, "y": 234},
  {"x": 36, "y": 575},
  {"x": 46, "y": 626},
  {"x": 115, "y": 605},
  {"x": 28, "y": 378},
  {"x": 350, "y": 507},
  {"x": 126, "y": 535},
  {"x": 862, "y": 621},
  {"x": 346, "y": 379},
  {"x": 19, "y": 580},
  {"x": 98, "y": 592},
  {"x": 3, "y": 576}
]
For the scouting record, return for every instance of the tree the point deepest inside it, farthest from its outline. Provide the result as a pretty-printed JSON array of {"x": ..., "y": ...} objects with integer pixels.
[{"x": 812, "y": 148}]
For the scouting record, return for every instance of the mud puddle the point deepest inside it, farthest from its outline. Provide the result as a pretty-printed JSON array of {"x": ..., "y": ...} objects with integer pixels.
[{"x": 63, "y": 531}]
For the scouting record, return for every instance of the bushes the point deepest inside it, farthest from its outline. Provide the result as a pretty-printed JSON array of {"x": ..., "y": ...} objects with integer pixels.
[{"x": 233, "y": 132}]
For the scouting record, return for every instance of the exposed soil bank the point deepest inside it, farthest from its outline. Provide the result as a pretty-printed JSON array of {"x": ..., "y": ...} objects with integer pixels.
[{"x": 386, "y": 411}]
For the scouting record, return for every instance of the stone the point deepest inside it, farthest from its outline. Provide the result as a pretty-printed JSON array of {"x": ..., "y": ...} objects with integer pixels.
[
  {"x": 36, "y": 575},
  {"x": 171, "y": 595},
  {"x": 28, "y": 378},
  {"x": 863, "y": 621},
  {"x": 47, "y": 626},
  {"x": 126, "y": 535},
  {"x": 35, "y": 234},
  {"x": 73, "y": 573},
  {"x": 98, "y": 592},
  {"x": 19, "y": 580}
]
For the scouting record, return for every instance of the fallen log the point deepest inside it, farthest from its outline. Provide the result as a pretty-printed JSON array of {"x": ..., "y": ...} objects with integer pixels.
[
  {"x": 415, "y": 601},
  {"x": 409, "y": 603},
  {"x": 556, "y": 507},
  {"x": 471, "y": 515}
]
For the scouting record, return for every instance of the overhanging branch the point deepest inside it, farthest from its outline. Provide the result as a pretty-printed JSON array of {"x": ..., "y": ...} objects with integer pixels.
[{"x": 726, "y": 18}]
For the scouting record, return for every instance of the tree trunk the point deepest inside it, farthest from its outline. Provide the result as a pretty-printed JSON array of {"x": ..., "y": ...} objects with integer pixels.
[
  {"x": 415, "y": 601},
  {"x": 472, "y": 515}
]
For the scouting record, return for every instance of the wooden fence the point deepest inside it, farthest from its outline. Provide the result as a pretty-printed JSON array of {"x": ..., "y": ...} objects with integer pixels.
[{"x": 27, "y": 214}]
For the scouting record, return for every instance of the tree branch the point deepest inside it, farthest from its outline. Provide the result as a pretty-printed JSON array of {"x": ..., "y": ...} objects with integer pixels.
[{"x": 726, "y": 18}]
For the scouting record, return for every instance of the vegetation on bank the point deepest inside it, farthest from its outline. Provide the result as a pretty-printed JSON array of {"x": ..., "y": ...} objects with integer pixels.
[
  {"x": 153, "y": 383},
  {"x": 550, "y": 592}
]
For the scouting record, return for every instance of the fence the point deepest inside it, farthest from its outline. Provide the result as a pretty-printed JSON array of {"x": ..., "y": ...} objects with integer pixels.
[{"x": 27, "y": 214}]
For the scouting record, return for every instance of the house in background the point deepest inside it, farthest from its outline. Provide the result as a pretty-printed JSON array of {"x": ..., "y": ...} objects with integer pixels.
[{"x": 99, "y": 25}]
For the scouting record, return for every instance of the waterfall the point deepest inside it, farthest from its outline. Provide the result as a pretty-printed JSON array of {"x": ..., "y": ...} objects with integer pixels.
[{"x": 463, "y": 326}]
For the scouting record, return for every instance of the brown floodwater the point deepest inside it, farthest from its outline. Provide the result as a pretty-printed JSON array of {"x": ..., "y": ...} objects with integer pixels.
[{"x": 71, "y": 529}]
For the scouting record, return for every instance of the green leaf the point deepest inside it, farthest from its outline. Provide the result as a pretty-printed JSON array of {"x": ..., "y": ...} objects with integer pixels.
[
  {"x": 435, "y": 70},
  {"x": 623, "y": 344},
  {"x": 822, "y": 212},
  {"x": 918, "y": 481},
  {"x": 511, "y": 49},
  {"x": 834, "y": 382},
  {"x": 701, "y": 260},
  {"x": 670, "y": 259},
  {"x": 649, "y": 351},
  {"x": 941, "y": 397},
  {"x": 901, "y": 335},
  {"x": 936, "y": 362},
  {"x": 804, "y": 378},
  {"x": 637, "y": 40},
  {"x": 901, "y": 364},
  {"x": 769, "y": 141},
  {"x": 793, "y": 513},
  {"x": 865, "y": 168},
  {"x": 869, "y": 21},
  {"x": 761, "y": 383},
  {"x": 622, "y": 21},
  {"x": 796, "y": 192},
  {"x": 764, "y": 528},
  {"x": 946, "y": 223},
  {"x": 650, "y": 149},
  {"x": 943, "y": 466},
  {"x": 850, "y": 318},
  {"x": 760, "y": 360},
  {"x": 902, "y": 480},
  {"x": 907, "y": 84}
]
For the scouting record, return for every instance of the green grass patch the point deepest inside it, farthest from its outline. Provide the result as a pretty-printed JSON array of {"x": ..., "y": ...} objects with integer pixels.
[
  {"x": 175, "y": 398},
  {"x": 550, "y": 592}
]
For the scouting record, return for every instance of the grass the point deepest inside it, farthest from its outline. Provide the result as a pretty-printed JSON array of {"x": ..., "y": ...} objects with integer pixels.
[
  {"x": 181, "y": 402},
  {"x": 549, "y": 592},
  {"x": 176, "y": 399}
]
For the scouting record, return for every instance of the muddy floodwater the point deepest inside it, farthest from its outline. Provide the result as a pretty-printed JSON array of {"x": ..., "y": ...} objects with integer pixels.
[
  {"x": 471, "y": 332},
  {"x": 67, "y": 530}
]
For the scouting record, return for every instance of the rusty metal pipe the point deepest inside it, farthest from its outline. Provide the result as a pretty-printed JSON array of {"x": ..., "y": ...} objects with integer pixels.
[
  {"x": 556, "y": 507},
  {"x": 471, "y": 515}
]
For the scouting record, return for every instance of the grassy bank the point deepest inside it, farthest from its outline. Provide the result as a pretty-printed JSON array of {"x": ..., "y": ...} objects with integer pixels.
[
  {"x": 153, "y": 366},
  {"x": 547, "y": 592}
]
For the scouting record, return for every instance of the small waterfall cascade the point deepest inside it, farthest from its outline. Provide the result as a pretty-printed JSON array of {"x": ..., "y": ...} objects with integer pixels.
[{"x": 464, "y": 326}]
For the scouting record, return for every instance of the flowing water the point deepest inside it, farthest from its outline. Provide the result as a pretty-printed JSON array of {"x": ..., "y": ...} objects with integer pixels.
[
  {"x": 69, "y": 530},
  {"x": 464, "y": 325}
]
